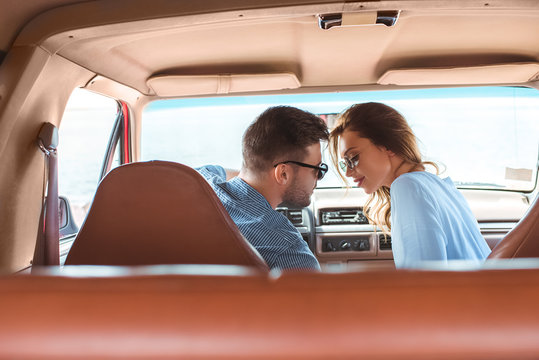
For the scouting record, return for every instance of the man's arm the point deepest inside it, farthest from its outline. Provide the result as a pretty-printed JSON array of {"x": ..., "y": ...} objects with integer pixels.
[{"x": 292, "y": 259}]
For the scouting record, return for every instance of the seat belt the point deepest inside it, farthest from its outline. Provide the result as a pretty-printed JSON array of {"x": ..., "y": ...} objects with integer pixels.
[{"x": 48, "y": 243}]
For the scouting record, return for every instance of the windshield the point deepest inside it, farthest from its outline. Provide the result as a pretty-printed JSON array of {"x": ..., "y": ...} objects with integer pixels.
[{"x": 482, "y": 137}]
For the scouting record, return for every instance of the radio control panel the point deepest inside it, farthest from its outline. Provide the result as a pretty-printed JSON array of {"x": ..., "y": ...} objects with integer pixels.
[{"x": 345, "y": 244}]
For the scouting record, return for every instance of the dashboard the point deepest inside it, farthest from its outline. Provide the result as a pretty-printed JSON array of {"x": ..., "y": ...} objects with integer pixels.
[{"x": 341, "y": 238}]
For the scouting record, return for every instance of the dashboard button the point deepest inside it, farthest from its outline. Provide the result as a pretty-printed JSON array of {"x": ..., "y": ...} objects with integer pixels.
[
  {"x": 364, "y": 245},
  {"x": 330, "y": 246}
]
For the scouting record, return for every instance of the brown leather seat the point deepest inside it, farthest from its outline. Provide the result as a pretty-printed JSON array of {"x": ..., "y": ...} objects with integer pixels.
[
  {"x": 159, "y": 212},
  {"x": 523, "y": 239},
  {"x": 168, "y": 313}
]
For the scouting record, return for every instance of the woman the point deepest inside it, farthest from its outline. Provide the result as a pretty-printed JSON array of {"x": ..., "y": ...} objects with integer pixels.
[{"x": 428, "y": 217}]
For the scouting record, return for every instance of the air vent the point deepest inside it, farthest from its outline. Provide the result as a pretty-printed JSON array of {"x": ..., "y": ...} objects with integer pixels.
[
  {"x": 342, "y": 216},
  {"x": 295, "y": 216},
  {"x": 384, "y": 242}
]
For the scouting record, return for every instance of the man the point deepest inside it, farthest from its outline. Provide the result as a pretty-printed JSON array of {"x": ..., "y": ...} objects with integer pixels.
[{"x": 281, "y": 165}]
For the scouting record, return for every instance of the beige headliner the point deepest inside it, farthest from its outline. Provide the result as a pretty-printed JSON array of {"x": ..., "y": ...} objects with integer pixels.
[{"x": 131, "y": 47}]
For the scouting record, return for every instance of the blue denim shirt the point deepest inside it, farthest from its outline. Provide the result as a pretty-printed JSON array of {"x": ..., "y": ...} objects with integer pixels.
[{"x": 269, "y": 231}]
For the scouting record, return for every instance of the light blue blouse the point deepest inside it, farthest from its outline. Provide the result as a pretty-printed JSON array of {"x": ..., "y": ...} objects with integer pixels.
[{"x": 431, "y": 220}]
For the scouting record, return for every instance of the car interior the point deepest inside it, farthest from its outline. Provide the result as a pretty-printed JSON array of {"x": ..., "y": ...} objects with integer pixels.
[{"x": 150, "y": 265}]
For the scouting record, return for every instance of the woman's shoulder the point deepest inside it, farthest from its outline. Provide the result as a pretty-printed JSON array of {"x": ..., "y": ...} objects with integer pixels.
[
  {"x": 418, "y": 189},
  {"x": 421, "y": 183},
  {"x": 415, "y": 179}
]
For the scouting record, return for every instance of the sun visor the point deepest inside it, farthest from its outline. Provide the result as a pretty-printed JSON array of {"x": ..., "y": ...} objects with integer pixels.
[
  {"x": 487, "y": 74},
  {"x": 184, "y": 85}
]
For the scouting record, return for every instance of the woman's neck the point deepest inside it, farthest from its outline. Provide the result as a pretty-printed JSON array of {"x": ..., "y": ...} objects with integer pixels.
[{"x": 405, "y": 167}]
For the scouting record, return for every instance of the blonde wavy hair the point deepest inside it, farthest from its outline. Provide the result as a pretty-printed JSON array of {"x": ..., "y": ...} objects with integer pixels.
[{"x": 384, "y": 127}]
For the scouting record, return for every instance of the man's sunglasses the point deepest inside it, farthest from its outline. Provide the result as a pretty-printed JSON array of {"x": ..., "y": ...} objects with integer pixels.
[
  {"x": 322, "y": 169},
  {"x": 347, "y": 163}
]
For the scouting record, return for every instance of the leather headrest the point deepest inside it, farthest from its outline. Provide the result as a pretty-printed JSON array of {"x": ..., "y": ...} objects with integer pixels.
[{"x": 159, "y": 212}]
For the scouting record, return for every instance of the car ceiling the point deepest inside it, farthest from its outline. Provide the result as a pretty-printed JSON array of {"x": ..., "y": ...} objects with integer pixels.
[
  {"x": 16, "y": 14},
  {"x": 177, "y": 45}
]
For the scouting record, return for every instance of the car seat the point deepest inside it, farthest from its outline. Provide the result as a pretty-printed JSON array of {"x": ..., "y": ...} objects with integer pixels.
[
  {"x": 523, "y": 240},
  {"x": 159, "y": 212}
]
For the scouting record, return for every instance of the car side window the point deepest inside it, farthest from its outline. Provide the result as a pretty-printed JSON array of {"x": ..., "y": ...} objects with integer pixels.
[{"x": 84, "y": 133}]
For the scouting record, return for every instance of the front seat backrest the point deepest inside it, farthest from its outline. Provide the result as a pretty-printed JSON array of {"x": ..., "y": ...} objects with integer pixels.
[
  {"x": 523, "y": 240},
  {"x": 159, "y": 212}
]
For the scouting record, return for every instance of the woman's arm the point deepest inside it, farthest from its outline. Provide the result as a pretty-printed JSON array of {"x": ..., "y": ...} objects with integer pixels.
[{"x": 417, "y": 233}]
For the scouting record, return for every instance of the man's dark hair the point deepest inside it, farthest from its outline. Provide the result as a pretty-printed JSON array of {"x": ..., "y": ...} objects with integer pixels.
[{"x": 278, "y": 134}]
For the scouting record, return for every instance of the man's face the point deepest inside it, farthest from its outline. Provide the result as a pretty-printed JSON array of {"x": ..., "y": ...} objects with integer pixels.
[{"x": 303, "y": 179}]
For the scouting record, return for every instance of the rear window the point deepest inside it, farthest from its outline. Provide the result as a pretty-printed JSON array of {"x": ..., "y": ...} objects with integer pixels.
[{"x": 482, "y": 137}]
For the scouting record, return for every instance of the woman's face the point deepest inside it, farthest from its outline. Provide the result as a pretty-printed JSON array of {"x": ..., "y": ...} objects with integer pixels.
[{"x": 372, "y": 166}]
